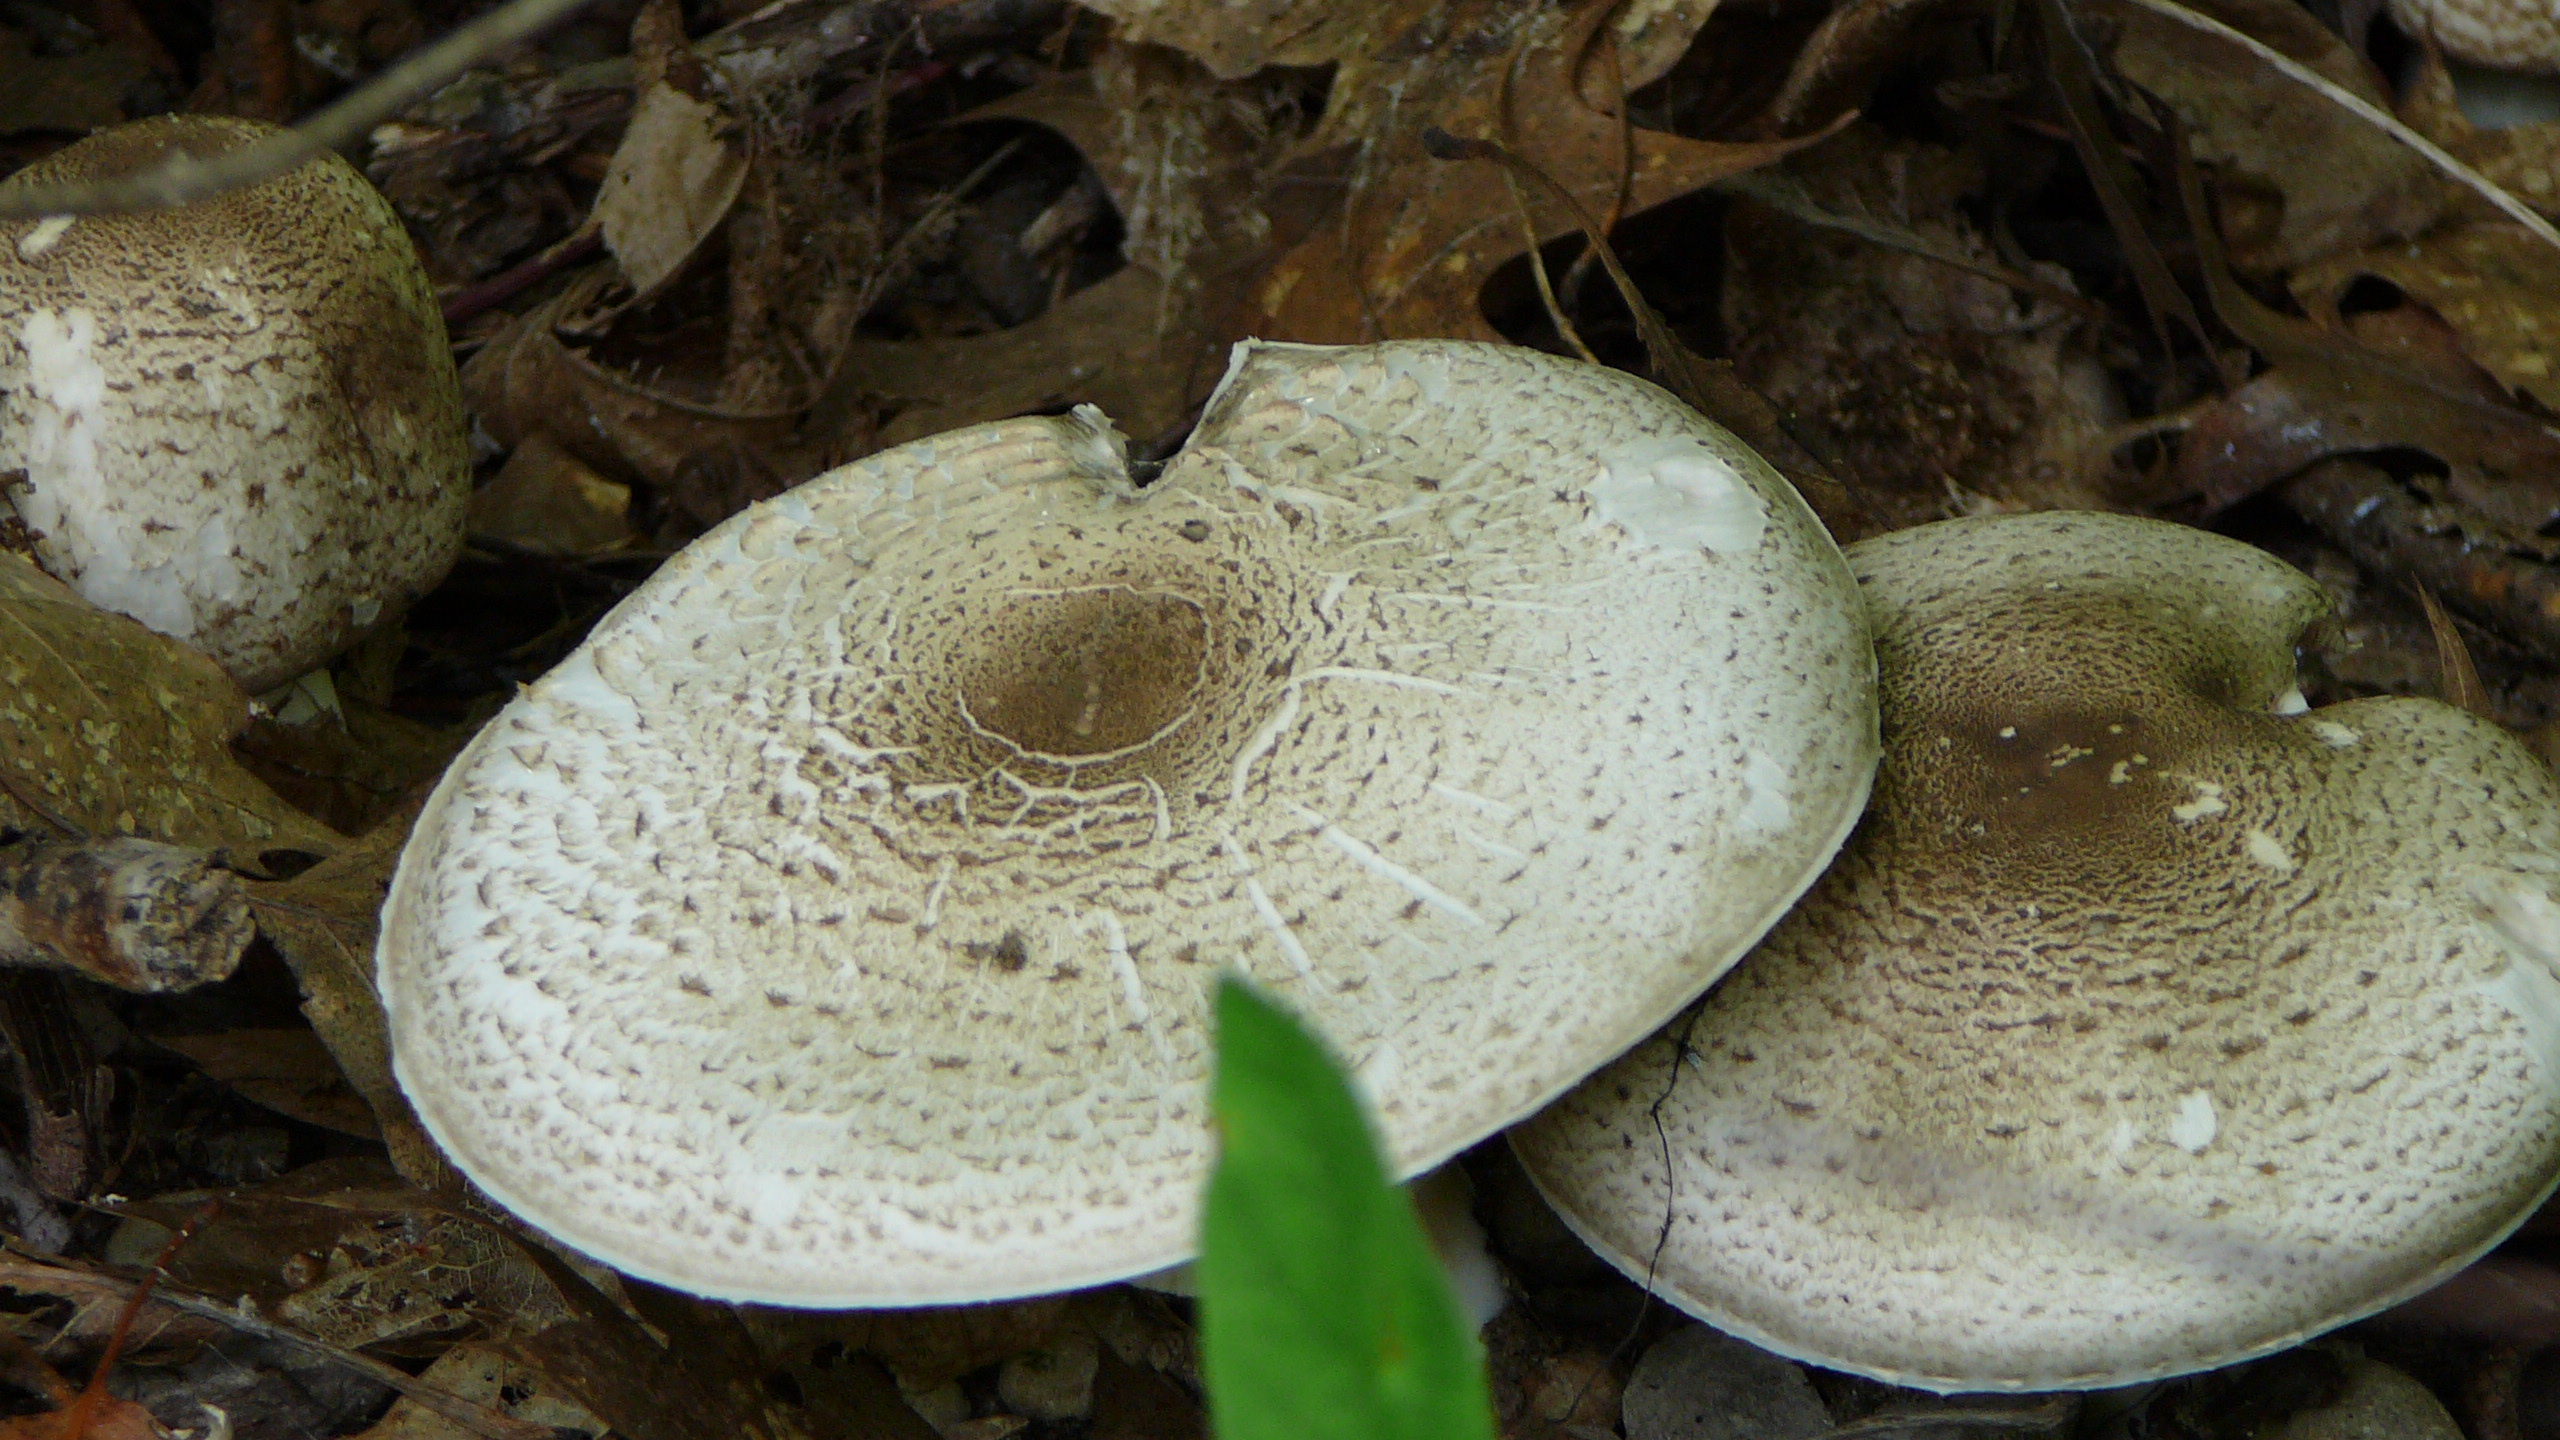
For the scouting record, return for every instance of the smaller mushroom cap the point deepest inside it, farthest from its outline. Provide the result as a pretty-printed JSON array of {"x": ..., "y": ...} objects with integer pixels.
[
  {"x": 836, "y": 926},
  {"x": 2506, "y": 34},
  {"x": 2146, "y": 1024},
  {"x": 238, "y": 420}
]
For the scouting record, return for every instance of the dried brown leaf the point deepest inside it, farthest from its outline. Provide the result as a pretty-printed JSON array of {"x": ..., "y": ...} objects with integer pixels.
[
  {"x": 288, "y": 1071},
  {"x": 2256, "y": 126},
  {"x": 110, "y": 729},
  {"x": 1940, "y": 387},
  {"x": 1413, "y": 240},
  {"x": 528, "y": 381},
  {"x": 323, "y": 922},
  {"x": 479, "y": 1374},
  {"x": 1111, "y": 345},
  {"x": 544, "y": 500},
  {"x": 670, "y": 184},
  {"x": 351, "y": 766},
  {"x": 2328, "y": 395},
  {"x": 2498, "y": 287}
]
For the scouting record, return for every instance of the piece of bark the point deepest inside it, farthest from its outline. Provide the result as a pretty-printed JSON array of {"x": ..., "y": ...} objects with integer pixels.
[
  {"x": 2390, "y": 531},
  {"x": 136, "y": 914}
]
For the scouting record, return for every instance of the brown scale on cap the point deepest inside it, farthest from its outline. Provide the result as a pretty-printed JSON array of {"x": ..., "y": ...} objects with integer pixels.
[
  {"x": 237, "y": 420},
  {"x": 2147, "y": 1022}
]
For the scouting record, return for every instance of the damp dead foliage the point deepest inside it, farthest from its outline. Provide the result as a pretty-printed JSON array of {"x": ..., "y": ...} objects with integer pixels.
[{"x": 1934, "y": 257}]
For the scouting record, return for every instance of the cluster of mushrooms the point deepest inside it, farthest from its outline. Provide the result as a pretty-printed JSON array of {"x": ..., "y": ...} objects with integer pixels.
[{"x": 835, "y": 927}]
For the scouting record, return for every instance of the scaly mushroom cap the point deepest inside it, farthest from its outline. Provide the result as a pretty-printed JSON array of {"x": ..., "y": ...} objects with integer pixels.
[
  {"x": 2509, "y": 34},
  {"x": 238, "y": 420},
  {"x": 2146, "y": 1024},
  {"x": 836, "y": 926}
]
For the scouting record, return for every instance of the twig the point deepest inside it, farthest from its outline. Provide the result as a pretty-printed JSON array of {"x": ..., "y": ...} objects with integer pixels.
[
  {"x": 136, "y": 914},
  {"x": 85, "y": 1408},
  {"x": 1520, "y": 206},
  {"x": 2385, "y": 529},
  {"x": 478, "y": 1419},
  {"x": 183, "y": 178}
]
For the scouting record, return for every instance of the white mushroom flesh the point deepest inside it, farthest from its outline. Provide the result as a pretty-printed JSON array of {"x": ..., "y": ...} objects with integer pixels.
[
  {"x": 835, "y": 927},
  {"x": 2143, "y": 1026}
]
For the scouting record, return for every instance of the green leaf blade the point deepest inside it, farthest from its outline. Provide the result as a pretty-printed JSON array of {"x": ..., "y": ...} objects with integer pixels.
[{"x": 1324, "y": 1315}]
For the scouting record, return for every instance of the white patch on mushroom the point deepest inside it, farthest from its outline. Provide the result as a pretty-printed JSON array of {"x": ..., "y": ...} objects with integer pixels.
[
  {"x": 1768, "y": 807},
  {"x": 2120, "y": 1144},
  {"x": 1385, "y": 869},
  {"x": 2291, "y": 702},
  {"x": 1339, "y": 582},
  {"x": 1273, "y": 921},
  {"x": 48, "y": 232},
  {"x": 1429, "y": 374},
  {"x": 2531, "y": 993},
  {"x": 1133, "y": 992},
  {"x": 2195, "y": 1126},
  {"x": 2521, "y": 914},
  {"x": 1377, "y": 1073},
  {"x": 943, "y": 870},
  {"x": 2267, "y": 850},
  {"x": 67, "y": 497},
  {"x": 1668, "y": 492},
  {"x": 2335, "y": 735},
  {"x": 2208, "y": 802},
  {"x": 1481, "y": 804}
]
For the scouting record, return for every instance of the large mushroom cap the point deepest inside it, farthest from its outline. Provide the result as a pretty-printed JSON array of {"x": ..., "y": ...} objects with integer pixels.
[
  {"x": 237, "y": 420},
  {"x": 836, "y": 926},
  {"x": 2147, "y": 1023}
]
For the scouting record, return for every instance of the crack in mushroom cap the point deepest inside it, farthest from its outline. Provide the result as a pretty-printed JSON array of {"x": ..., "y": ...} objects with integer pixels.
[
  {"x": 836, "y": 926},
  {"x": 2146, "y": 1024},
  {"x": 238, "y": 420},
  {"x": 2509, "y": 34}
]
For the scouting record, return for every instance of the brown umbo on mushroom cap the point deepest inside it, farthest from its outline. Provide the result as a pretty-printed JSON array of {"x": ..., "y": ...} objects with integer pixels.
[
  {"x": 237, "y": 420},
  {"x": 2509, "y": 34},
  {"x": 2146, "y": 1024},
  {"x": 836, "y": 926}
]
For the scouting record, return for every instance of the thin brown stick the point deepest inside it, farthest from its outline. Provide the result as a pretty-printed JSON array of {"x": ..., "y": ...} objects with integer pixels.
[
  {"x": 1520, "y": 208},
  {"x": 183, "y": 178},
  {"x": 86, "y": 1407}
]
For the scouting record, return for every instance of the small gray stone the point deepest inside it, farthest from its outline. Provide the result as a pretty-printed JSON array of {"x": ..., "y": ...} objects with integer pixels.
[
  {"x": 1700, "y": 1384},
  {"x": 1052, "y": 1384},
  {"x": 2379, "y": 1403}
]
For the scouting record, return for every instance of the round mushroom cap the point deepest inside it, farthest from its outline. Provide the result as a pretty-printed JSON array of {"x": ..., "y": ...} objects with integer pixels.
[
  {"x": 2507, "y": 34},
  {"x": 2147, "y": 1023},
  {"x": 836, "y": 927},
  {"x": 237, "y": 420}
]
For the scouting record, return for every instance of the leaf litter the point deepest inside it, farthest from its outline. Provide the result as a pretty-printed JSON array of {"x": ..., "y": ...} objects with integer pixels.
[{"x": 1933, "y": 258}]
